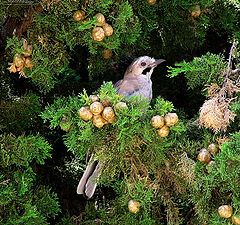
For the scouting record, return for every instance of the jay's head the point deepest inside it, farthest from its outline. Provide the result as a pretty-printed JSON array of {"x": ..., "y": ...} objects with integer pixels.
[{"x": 143, "y": 65}]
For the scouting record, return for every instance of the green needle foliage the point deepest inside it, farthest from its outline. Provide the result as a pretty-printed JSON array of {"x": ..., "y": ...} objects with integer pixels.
[
  {"x": 18, "y": 114},
  {"x": 55, "y": 36},
  {"x": 164, "y": 174},
  {"x": 219, "y": 183},
  {"x": 203, "y": 70},
  {"x": 130, "y": 146},
  {"x": 22, "y": 199},
  {"x": 160, "y": 173}
]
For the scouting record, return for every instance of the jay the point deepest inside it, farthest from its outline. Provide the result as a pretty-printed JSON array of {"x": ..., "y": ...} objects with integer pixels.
[{"x": 136, "y": 82}]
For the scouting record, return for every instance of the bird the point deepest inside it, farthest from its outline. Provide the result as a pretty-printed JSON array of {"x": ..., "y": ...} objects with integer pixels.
[
  {"x": 137, "y": 78},
  {"x": 136, "y": 82}
]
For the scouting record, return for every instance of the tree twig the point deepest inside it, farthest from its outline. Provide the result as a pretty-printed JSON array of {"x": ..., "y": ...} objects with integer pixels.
[
  {"x": 229, "y": 68},
  {"x": 5, "y": 182},
  {"x": 235, "y": 71}
]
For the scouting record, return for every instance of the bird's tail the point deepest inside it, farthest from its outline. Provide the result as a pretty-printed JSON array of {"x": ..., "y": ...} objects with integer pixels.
[{"x": 88, "y": 183}]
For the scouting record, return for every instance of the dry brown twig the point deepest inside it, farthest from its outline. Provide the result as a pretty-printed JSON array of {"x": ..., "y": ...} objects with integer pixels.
[
  {"x": 5, "y": 182},
  {"x": 215, "y": 113}
]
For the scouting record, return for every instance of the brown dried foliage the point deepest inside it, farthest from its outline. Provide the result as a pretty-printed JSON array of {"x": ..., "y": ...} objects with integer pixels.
[{"x": 215, "y": 113}]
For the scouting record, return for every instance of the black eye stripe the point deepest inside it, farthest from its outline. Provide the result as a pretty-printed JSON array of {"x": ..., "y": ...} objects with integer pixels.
[
  {"x": 143, "y": 64},
  {"x": 145, "y": 71}
]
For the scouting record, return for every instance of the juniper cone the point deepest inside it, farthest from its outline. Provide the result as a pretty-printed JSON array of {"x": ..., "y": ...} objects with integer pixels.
[{"x": 136, "y": 82}]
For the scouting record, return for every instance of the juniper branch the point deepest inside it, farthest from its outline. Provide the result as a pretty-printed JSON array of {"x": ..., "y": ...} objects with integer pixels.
[{"x": 229, "y": 69}]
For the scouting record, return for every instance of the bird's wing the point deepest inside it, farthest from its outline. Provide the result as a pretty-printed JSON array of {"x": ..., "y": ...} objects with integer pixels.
[
  {"x": 118, "y": 83},
  {"x": 91, "y": 167},
  {"x": 127, "y": 87}
]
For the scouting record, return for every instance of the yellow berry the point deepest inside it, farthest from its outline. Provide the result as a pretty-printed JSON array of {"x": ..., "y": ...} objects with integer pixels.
[
  {"x": 157, "y": 121},
  {"x": 107, "y": 53},
  {"x": 108, "y": 29},
  {"x": 236, "y": 219},
  {"x": 96, "y": 108},
  {"x": 94, "y": 98},
  {"x": 164, "y": 131},
  {"x": 213, "y": 149},
  {"x": 100, "y": 19},
  {"x": 152, "y": 2},
  {"x": 225, "y": 211},
  {"x": 78, "y": 15},
  {"x": 171, "y": 119},
  {"x": 85, "y": 113},
  {"x": 98, "y": 121},
  {"x": 108, "y": 114},
  {"x": 133, "y": 206},
  {"x": 204, "y": 156},
  {"x": 98, "y": 34}
]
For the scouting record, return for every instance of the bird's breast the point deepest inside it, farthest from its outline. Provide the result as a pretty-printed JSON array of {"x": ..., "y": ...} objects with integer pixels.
[{"x": 145, "y": 87}]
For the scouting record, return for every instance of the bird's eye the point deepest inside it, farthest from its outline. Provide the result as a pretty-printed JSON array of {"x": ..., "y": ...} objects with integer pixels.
[{"x": 143, "y": 64}]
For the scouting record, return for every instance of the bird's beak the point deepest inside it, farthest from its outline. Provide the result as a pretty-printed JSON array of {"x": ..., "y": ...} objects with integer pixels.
[{"x": 157, "y": 62}]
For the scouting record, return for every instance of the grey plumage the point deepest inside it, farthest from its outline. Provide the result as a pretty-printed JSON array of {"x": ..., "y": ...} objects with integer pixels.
[
  {"x": 136, "y": 82},
  {"x": 88, "y": 182},
  {"x": 137, "y": 78}
]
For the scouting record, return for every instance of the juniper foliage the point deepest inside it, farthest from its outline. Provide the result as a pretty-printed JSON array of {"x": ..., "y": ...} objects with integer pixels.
[
  {"x": 23, "y": 199},
  {"x": 163, "y": 174},
  {"x": 56, "y": 37}
]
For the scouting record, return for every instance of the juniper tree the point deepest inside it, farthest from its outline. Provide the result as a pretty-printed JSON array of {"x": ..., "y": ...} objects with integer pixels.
[{"x": 52, "y": 58}]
